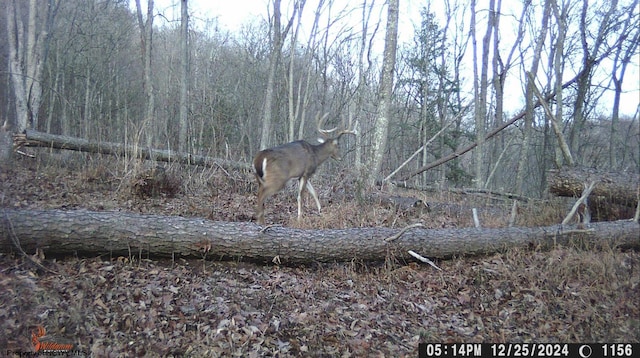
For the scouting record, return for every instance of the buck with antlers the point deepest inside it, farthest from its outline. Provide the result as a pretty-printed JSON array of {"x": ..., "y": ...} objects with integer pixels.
[{"x": 299, "y": 159}]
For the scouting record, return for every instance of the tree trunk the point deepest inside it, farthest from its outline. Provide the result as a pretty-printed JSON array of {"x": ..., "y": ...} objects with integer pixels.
[
  {"x": 27, "y": 55},
  {"x": 6, "y": 146},
  {"x": 58, "y": 232},
  {"x": 184, "y": 76},
  {"x": 499, "y": 77},
  {"x": 555, "y": 120},
  {"x": 385, "y": 95},
  {"x": 146, "y": 39},
  {"x": 17, "y": 76},
  {"x": 617, "y": 188},
  {"x": 521, "y": 171},
  {"x": 480, "y": 108},
  {"x": 39, "y": 139},
  {"x": 274, "y": 59},
  {"x": 361, "y": 89},
  {"x": 558, "y": 69},
  {"x": 294, "y": 108}
]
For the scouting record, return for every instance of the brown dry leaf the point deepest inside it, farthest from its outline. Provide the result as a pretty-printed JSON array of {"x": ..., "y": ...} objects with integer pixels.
[{"x": 124, "y": 306}]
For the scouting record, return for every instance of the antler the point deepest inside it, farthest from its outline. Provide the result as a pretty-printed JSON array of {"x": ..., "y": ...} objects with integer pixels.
[
  {"x": 353, "y": 131},
  {"x": 320, "y": 123}
]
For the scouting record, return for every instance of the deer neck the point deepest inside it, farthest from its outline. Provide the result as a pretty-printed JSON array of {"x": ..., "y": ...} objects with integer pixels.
[{"x": 323, "y": 151}]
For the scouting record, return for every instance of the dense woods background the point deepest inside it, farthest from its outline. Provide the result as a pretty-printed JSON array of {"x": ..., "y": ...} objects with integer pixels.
[
  {"x": 106, "y": 71},
  {"x": 488, "y": 94}
]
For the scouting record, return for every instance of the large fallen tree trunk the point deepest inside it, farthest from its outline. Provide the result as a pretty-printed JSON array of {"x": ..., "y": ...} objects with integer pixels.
[
  {"x": 33, "y": 138},
  {"x": 620, "y": 188},
  {"x": 83, "y": 233},
  {"x": 614, "y": 196}
]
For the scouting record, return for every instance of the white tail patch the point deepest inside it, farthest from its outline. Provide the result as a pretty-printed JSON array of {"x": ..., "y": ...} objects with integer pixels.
[{"x": 264, "y": 168}]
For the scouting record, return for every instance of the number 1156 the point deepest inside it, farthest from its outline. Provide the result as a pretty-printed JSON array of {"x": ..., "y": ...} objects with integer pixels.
[{"x": 617, "y": 350}]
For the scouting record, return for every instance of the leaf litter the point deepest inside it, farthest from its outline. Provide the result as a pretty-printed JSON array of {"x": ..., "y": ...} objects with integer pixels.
[{"x": 131, "y": 306}]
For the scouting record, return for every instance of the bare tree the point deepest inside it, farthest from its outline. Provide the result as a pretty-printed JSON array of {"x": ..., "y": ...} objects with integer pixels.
[
  {"x": 146, "y": 41},
  {"x": 624, "y": 52},
  {"x": 429, "y": 85},
  {"x": 296, "y": 108},
  {"x": 277, "y": 36},
  {"x": 184, "y": 74},
  {"x": 500, "y": 70},
  {"x": 530, "y": 100},
  {"x": 364, "y": 55},
  {"x": 458, "y": 105},
  {"x": 16, "y": 63},
  {"x": 481, "y": 87},
  {"x": 589, "y": 63},
  {"x": 385, "y": 95},
  {"x": 90, "y": 85},
  {"x": 561, "y": 16},
  {"x": 27, "y": 55}
]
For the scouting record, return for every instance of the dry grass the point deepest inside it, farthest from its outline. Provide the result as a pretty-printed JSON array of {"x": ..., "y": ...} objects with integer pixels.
[{"x": 132, "y": 307}]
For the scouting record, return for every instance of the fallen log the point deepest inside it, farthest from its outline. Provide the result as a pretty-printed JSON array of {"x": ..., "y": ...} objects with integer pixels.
[
  {"x": 33, "y": 138},
  {"x": 614, "y": 196},
  {"x": 87, "y": 233}
]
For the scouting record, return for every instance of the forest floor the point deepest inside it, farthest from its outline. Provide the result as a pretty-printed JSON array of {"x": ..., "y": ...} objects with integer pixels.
[{"x": 129, "y": 307}]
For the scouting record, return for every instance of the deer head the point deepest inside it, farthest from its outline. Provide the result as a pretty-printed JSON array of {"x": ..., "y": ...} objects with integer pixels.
[{"x": 299, "y": 159}]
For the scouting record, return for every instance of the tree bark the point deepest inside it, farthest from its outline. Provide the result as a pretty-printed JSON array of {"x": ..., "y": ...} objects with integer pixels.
[
  {"x": 364, "y": 53},
  {"x": 385, "y": 95},
  {"x": 274, "y": 59},
  {"x": 294, "y": 108},
  {"x": 6, "y": 146},
  {"x": 39, "y": 139},
  {"x": 617, "y": 188},
  {"x": 184, "y": 76},
  {"x": 556, "y": 120},
  {"x": 480, "y": 94},
  {"x": 146, "y": 40},
  {"x": 58, "y": 232},
  {"x": 26, "y": 57},
  {"x": 521, "y": 170},
  {"x": 558, "y": 69},
  {"x": 499, "y": 77}
]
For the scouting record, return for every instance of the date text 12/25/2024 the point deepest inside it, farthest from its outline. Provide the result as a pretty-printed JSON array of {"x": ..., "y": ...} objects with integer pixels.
[{"x": 568, "y": 350}]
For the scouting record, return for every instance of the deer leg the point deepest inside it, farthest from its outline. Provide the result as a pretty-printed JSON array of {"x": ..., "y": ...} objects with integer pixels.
[
  {"x": 302, "y": 182},
  {"x": 265, "y": 190},
  {"x": 313, "y": 193},
  {"x": 260, "y": 204}
]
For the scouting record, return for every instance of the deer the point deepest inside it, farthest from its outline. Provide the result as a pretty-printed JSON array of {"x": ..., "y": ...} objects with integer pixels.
[{"x": 299, "y": 159}]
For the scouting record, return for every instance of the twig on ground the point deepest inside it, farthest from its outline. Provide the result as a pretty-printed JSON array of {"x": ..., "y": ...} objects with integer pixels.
[{"x": 423, "y": 259}]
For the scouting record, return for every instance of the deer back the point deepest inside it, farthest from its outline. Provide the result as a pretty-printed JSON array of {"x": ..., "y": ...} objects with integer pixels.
[{"x": 293, "y": 160}]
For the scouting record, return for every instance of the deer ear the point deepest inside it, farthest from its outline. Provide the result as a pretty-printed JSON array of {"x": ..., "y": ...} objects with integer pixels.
[{"x": 320, "y": 140}]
